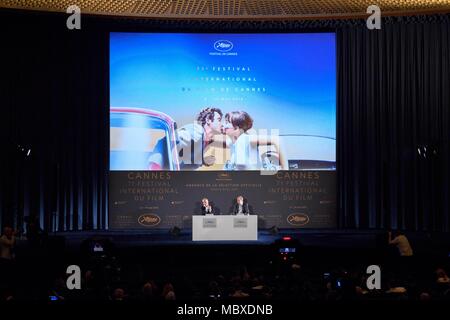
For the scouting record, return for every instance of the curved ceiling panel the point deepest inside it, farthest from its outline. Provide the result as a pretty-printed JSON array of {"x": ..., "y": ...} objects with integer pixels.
[{"x": 234, "y": 9}]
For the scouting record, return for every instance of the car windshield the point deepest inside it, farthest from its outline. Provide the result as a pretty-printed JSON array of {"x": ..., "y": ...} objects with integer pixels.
[{"x": 138, "y": 142}]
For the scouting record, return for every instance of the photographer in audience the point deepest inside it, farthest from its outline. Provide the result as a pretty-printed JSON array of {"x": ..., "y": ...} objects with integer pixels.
[
  {"x": 7, "y": 243},
  {"x": 402, "y": 243}
]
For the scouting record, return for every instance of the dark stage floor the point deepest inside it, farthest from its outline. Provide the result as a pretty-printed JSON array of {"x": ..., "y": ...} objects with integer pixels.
[
  {"x": 137, "y": 238},
  {"x": 319, "y": 238}
]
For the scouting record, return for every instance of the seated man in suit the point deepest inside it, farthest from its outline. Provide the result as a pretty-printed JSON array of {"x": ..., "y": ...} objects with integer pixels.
[
  {"x": 240, "y": 207},
  {"x": 207, "y": 208}
]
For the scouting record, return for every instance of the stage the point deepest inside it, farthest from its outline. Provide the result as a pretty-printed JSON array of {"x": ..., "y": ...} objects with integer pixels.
[
  {"x": 307, "y": 237},
  {"x": 314, "y": 238}
]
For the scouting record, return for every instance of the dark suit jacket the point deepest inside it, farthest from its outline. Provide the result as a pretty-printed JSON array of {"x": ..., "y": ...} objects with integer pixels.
[
  {"x": 245, "y": 209},
  {"x": 213, "y": 210}
]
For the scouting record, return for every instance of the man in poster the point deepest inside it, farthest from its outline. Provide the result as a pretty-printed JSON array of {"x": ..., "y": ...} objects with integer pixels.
[{"x": 193, "y": 138}]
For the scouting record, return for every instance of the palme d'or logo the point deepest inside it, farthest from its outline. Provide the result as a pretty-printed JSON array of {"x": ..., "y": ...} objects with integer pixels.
[
  {"x": 149, "y": 220},
  {"x": 298, "y": 219}
]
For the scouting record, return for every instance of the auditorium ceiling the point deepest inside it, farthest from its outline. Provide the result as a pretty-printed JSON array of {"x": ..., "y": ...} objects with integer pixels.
[{"x": 234, "y": 9}]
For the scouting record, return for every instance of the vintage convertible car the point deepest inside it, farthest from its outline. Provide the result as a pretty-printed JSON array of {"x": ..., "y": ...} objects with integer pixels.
[{"x": 142, "y": 139}]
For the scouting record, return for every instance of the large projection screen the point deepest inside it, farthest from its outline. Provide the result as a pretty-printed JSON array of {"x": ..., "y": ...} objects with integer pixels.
[{"x": 219, "y": 115}]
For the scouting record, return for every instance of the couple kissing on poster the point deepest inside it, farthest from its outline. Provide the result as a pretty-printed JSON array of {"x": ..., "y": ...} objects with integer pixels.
[{"x": 218, "y": 141}]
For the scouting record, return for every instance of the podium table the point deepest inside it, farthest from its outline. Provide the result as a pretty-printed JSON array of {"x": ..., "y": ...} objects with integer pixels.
[{"x": 230, "y": 227}]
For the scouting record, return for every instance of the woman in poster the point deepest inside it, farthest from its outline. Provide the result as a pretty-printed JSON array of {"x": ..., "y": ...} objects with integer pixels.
[{"x": 246, "y": 145}]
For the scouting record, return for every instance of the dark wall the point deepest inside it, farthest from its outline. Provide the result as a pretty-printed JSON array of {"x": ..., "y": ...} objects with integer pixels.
[{"x": 393, "y": 96}]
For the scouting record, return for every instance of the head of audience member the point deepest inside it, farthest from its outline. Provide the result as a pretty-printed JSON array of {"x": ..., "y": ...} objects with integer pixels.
[
  {"x": 205, "y": 202},
  {"x": 424, "y": 296},
  {"x": 6, "y": 295},
  {"x": 239, "y": 293},
  {"x": 395, "y": 286},
  {"x": 118, "y": 294},
  {"x": 441, "y": 276},
  {"x": 168, "y": 292},
  {"x": 147, "y": 290},
  {"x": 8, "y": 231},
  {"x": 237, "y": 123},
  {"x": 211, "y": 120}
]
